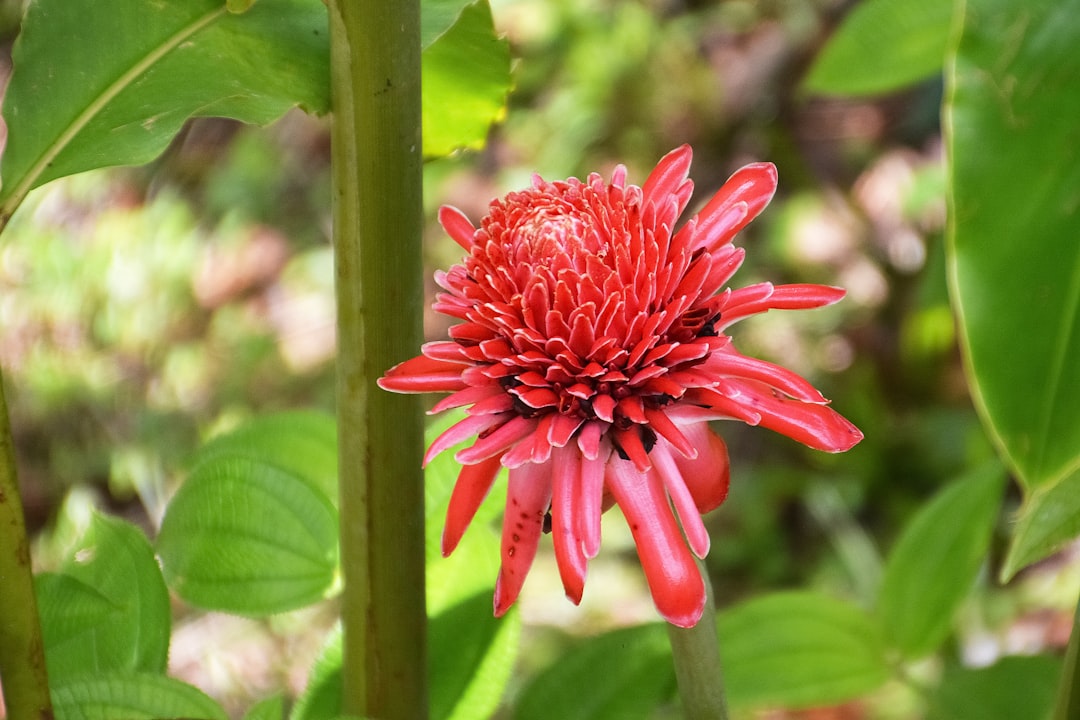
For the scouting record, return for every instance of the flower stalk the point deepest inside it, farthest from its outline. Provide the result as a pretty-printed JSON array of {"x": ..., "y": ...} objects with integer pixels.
[
  {"x": 22, "y": 652},
  {"x": 696, "y": 653},
  {"x": 377, "y": 213}
]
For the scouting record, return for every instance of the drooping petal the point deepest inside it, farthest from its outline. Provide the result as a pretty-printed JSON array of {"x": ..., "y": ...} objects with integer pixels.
[
  {"x": 472, "y": 486},
  {"x": 674, "y": 580},
  {"x": 685, "y": 506},
  {"x": 566, "y": 491},
  {"x": 592, "y": 500},
  {"x": 744, "y": 302},
  {"x": 497, "y": 441},
  {"x": 528, "y": 494},
  {"x": 706, "y": 476},
  {"x": 817, "y": 426}
]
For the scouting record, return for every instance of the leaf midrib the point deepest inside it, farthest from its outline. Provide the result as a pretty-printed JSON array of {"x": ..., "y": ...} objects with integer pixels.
[{"x": 26, "y": 183}]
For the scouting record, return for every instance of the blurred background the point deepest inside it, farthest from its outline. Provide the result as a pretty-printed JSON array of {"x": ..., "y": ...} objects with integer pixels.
[{"x": 143, "y": 309}]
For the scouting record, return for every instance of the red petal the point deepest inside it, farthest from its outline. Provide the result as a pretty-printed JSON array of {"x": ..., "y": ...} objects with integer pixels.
[
  {"x": 468, "y": 396},
  {"x": 731, "y": 363},
  {"x": 665, "y": 428},
  {"x": 527, "y": 496},
  {"x": 748, "y": 301},
  {"x": 706, "y": 476},
  {"x": 498, "y": 441},
  {"x": 754, "y": 185},
  {"x": 685, "y": 505},
  {"x": 457, "y": 226},
  {"x": 668, "y": 175},
  {"x": 817, "y": 426},
  {"x": 592, "y": 501},
  {"x": 674, "y": 580},
  {"x": 472, "y": 486},
  {"x": 460, "y": 431},
  {"x": 565, "y": 507},
  {"x": 422, "y": 374},
  {"x": 630, "y": 442}
]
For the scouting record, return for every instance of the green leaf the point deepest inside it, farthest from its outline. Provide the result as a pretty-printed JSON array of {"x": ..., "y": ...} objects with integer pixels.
[
  {"x": 251, "y": 532},
  {"x": 934, "y": 563},
  {"x": 272, "y": 708},
  {"x": 799, "y": 649},
  {"x": 471, "y": 657},
  {"x": 110, "y": 82},
  {"x": 108, "y": 608},
  {"x": 620, "y": 675},
  {"x": 457, "y": 114},
  {"x": 883, "y": 45},
  {"x": 119, "y": 696},
  {"x": 1013, "y": 96},
  {"x": 1014, "y": 687}
]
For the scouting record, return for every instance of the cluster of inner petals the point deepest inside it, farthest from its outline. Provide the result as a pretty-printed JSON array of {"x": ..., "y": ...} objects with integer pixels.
[{"x": 591, "y": 355}]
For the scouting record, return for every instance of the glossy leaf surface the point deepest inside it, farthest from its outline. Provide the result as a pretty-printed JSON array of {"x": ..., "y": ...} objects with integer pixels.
[
  {"x": 625, "y": 674},
  {"x": 1014, "y": 94},
  {"x": 799, "y": 649},
  {"x": 110, "y": 82}
]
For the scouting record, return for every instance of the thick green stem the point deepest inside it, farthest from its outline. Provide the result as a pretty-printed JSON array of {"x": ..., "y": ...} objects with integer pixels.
[
  {"x": 1068, "y": 700},
  {"x": 696, "y": 652},
  {"x": 377, "y": 212},
  {"x": 22, "y": 654}
]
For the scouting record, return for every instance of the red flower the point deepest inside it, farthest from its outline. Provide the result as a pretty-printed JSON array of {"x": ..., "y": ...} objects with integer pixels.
[{"x": 592, "y": 356}]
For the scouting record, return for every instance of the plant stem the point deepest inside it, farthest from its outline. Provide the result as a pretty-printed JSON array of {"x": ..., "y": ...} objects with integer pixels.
[
  {"x": 22, "y": 653},
  {"x": 377, "y": 213},
  {"x": 696, "y": 652},
  {"x": 1068, "y": 700}
]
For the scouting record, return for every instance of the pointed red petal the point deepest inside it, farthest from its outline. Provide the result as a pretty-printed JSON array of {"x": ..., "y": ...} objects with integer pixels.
[
  {"x": 731, "y": 363},
  {"x": 746, "y": 301},
  {"x": 498, "y": 441},
  {"x": 674, "y": 580},
  {"x": 472, "y": 486},
  {"x": 460, "y": 431},
  {"x": 422, "y": 374},
  {"x": 817, "y": 426},
  {"x": 592, "y": 501},
  {"x": 720, "y": 219},
  {"x": 457, "y": 226},
  {"x": 528, "y": 494},
  {"x": 668, "y": 175}
]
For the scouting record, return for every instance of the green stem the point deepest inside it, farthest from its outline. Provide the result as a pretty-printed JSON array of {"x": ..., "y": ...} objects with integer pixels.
[
  {"x": 22, "y": 653},
  {"x": 1068, "y": 700},
  {"x": 377, "y": 213},
  {"x": 696, "y": 652}
]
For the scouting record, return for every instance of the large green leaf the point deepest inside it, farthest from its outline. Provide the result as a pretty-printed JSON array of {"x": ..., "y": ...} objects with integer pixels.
[
  {"x": 883, "y": 45},
  {"x": 1014, "y": 687},
  {"x": 934, "y": 563},
  {"x": 131, "y": 696},
  {"x": 108, "y": 608},
  {"x": 252, "y": 532},
  {"x": 109, "y": 82},
  {"x": 1014, "y": 247},
  {"x": 621, "y": 675},
  {"x": 799, "y": 649}
]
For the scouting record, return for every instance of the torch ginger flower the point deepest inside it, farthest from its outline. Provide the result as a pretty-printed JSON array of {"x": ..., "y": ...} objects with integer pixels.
[{"x": 592, "y": 356}]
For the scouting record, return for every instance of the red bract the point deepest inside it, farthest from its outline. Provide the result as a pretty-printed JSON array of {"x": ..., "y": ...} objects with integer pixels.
[{"x": 591, "y": 355}]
